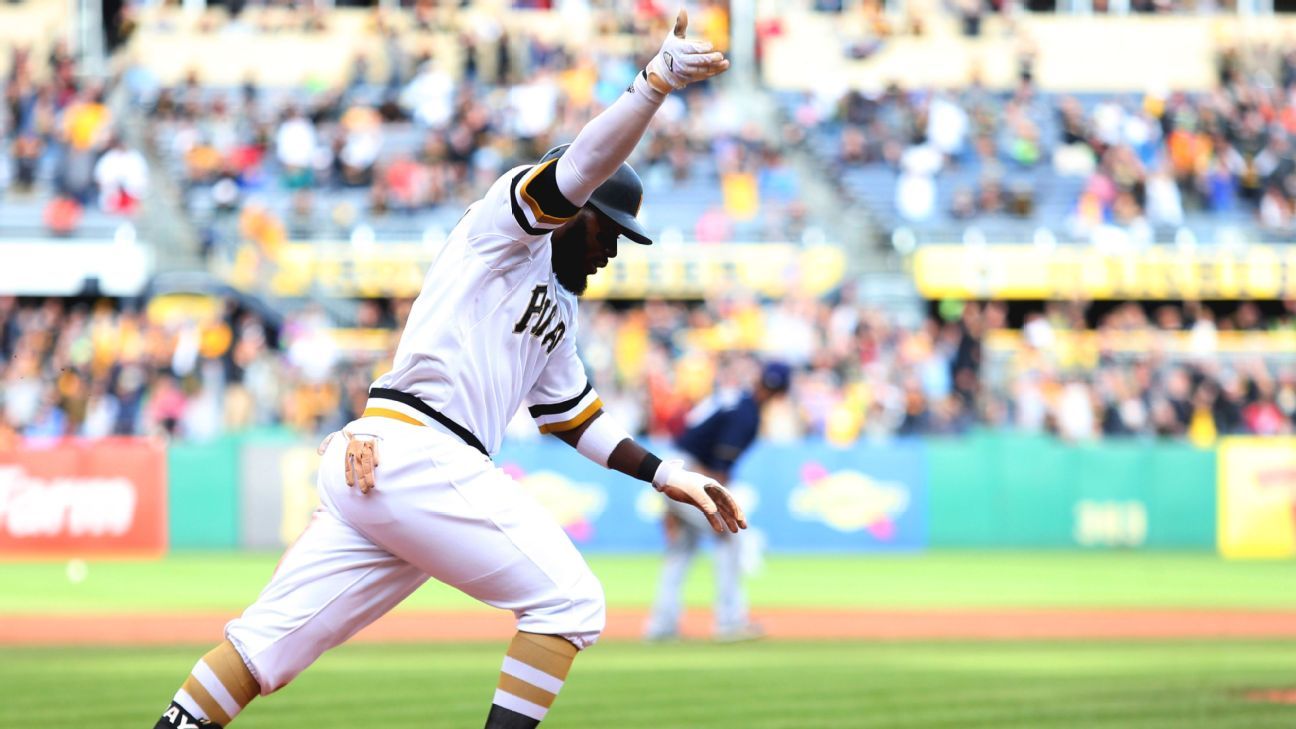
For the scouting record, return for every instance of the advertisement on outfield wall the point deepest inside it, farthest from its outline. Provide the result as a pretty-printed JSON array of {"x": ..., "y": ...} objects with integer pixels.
[
  {"x": 84, "y": 498},
  {"x": 1257, "y": 497},
  {"x": 203, "y": 493},
  {"x": 1153, "y": 272},
  {"x": 985, "y": 491},
  {"x": 276, "y": 494},
  {"x": 1034, "y": 491},
  {"x": 799, "y": 497},
  {"x": 804, "y": 497}
]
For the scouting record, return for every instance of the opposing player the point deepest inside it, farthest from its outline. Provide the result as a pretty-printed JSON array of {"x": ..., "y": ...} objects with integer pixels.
[
  {"x": 492, "y": 329},
  {"x": 719, "y": 429}
]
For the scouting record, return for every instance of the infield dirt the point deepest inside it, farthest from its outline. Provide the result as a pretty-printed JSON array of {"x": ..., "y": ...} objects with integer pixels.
[{"x": 627, "y": 624}]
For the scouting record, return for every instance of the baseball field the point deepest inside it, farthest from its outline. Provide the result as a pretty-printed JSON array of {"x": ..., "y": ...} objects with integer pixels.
[{"x": 962, "y": 639}]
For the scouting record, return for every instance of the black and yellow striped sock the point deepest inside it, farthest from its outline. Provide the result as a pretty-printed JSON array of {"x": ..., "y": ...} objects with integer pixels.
[
  {"x": 215, "y": 692},
  {"x": 534, "y": 671}
]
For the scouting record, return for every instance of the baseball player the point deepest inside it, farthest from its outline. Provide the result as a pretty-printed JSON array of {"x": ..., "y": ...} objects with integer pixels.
[
  {"x": 411, "y": 492},
  {"x": 718, "y": 430}
]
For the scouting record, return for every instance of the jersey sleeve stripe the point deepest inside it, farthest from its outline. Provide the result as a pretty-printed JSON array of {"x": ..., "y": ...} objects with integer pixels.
[
  {"x": 540, "y": 192},
  {"x": 518, "y": 215},
  {"x": 566, "y": 414},
  {"x": 560, "y": 407},
  {"x": 575, "y": 422}
]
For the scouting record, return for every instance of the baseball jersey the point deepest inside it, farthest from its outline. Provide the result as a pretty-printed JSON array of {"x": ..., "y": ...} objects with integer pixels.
[
  {"x": 492, "y": 329},
  {"x": 720, "y": 428}
]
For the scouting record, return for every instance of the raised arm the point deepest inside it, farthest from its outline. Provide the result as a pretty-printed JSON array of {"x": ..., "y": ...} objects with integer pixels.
[{"x": 609, "y": 138}]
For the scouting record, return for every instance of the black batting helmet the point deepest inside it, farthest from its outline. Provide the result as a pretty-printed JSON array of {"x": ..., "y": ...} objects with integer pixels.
[{"x": 619, "y": 198}]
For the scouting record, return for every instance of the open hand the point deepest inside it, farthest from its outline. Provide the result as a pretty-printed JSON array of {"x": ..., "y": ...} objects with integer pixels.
[{"x": 704, "y": 493}]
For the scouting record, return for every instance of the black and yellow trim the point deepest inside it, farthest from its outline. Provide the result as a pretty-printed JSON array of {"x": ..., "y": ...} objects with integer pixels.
[
  {"x": 374, "y": 408},
  {"x": 575, "y": 422},
  {"x": 394, "y": 415},
  {"x": 540, "y": 192},
  {"x": 538, "y": 188},
  {"x": 519, "y": 216},
  {"x": 559, "y": 407}
]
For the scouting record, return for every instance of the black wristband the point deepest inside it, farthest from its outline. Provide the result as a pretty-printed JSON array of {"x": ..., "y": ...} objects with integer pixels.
[{"x": 648, "y": 467}]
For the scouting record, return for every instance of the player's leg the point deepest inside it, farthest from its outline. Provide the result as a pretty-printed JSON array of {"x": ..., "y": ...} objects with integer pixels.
[
  {"x": 731, "y": 621},
  {"x": 447, "y": 510},
  {"x": 535, "y": 668},
  {"x": 682, "y": 539},
  {"x": 217, "y": 689},
  {"x": 331, "y": 583}
]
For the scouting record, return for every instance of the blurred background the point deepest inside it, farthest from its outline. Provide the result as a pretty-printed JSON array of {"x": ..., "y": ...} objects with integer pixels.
[
  {"x": 960, "y": 223},
  {"x": 1031, "y": 264}
]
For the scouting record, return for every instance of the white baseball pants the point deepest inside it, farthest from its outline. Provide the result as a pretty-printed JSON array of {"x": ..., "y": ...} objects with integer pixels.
[{"x": 440, "y": 509}]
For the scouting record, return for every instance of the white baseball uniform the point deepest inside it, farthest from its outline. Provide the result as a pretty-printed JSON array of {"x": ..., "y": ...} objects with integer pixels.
[{"x": 491, "y": 330}]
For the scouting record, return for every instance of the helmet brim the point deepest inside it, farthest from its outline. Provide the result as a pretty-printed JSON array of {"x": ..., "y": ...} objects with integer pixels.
[{"x": 629, "y": 225}]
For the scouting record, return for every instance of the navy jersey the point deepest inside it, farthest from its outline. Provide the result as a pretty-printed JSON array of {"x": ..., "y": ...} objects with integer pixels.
[{"x": 719, "y": 429}]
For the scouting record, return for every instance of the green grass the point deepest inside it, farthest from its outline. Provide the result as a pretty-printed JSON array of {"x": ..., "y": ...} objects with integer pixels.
[
  {"x": 228, "y": 582},
  {"x": 761, "y": 685},
  {"x": 753, "y": 686}
]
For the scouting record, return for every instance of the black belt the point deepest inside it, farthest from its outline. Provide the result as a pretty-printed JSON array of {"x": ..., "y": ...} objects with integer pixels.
[{"x": 404, "y": 398}]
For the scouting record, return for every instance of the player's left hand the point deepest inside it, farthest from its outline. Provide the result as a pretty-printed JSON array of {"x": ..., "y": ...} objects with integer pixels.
[
  {"x": 361, "y": 459},
  {"x": 702, "y": 492}
]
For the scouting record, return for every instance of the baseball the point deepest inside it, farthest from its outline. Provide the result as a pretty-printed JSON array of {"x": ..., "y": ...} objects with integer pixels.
[{"x": 77, "y": 571}]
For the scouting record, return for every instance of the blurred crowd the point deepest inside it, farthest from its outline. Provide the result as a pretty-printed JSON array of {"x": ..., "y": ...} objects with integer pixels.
[
  {"x": 411, "y": 138},
  {"x": 96, "y": 368},
  {"x": 58, "y": 143},
  {"x": 1133, "y": 374},
  {"x": 1143, "y": 163},
  {"x": 859, "y": 374}
]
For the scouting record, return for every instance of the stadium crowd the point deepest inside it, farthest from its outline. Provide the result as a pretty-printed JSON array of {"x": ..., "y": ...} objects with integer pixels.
[
  {"x": 1140, "y": 162},
  {"x": 405, "y": 144},
  {"x": 59, "y": 148},
  {"x": 423, "y": 138},
  {"x": 76, "y": 368}
]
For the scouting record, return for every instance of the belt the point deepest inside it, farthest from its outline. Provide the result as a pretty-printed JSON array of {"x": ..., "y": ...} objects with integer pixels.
[{"x": 402, "y": 406}]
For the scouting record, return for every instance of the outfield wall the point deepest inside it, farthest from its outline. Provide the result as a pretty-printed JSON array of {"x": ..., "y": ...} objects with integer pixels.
[
  {"x": 1023, "y": 491},
  {"x": 256, "y": 491}
]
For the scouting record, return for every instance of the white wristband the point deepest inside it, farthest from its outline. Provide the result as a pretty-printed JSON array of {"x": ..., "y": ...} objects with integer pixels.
[
  {"x": 601, "y": 438},
  {"x": 665, "y": 471},
  {"x": 646, "y": 91}
]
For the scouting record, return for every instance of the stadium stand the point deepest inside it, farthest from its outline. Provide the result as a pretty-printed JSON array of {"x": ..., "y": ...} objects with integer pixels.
[
  {"x": 395, "y": 145},
  {"x": 64, "y": 170},
  {"x": 1018, "y": 151},
  {"x": 363, "y": 126},
  {"x": 1083, "y": 168},
  {"x": 195, "y": 367}
]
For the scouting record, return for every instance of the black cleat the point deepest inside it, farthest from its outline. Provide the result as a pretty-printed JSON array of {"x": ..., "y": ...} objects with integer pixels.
[
  {"x": 175, "y": 717},
  {"x": 502, "y": 718}
]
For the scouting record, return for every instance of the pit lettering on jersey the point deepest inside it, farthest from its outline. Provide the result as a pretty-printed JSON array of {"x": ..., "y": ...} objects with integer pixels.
[{"x": 548, "y": 327}]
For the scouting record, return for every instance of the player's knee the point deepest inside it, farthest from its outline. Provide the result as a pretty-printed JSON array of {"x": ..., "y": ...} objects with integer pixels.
[
  {"x": 590, "y": 609},
  {"x": 578, "y": 615},
  {"x": 273, "y": 664}
]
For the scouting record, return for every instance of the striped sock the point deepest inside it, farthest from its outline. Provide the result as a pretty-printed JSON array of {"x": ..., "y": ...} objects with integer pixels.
[
  {"x": 217, "y": 690},
  {"x": 533, "y": 673}
]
